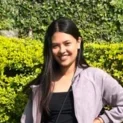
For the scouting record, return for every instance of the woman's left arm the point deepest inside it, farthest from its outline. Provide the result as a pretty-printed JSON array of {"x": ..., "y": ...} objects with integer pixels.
[{"x": 112, "y": 93}]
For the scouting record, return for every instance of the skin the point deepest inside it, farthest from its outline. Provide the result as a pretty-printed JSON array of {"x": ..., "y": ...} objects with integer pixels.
[{"x": 64, "y": 50}]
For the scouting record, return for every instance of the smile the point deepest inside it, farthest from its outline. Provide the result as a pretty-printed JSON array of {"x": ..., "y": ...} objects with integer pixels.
[{"x": 63, "y": 57}]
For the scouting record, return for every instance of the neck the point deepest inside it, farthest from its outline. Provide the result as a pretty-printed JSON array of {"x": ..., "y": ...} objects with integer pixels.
[{"x": 69, "y": 70}]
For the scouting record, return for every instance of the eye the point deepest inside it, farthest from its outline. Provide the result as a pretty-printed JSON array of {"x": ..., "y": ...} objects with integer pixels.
[
  {"x": 54, "y": 46},
  {"x": 67, "y": 43}
]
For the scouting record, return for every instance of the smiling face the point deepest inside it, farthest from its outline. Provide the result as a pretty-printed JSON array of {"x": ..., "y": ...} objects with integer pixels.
[{"x": 65, "y": 48}]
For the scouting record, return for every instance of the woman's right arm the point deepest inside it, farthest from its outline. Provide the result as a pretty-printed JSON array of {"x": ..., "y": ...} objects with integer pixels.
[{"x": 27, "y": 114}]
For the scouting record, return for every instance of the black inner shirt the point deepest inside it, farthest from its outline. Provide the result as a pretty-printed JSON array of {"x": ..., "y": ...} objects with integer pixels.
[{"x": 67, "y": 115}]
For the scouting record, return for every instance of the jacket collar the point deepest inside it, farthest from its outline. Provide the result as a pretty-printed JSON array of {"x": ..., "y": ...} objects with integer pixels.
[
  {"x": 37, "y": 97},
  {"x": 77, "y": 72}
]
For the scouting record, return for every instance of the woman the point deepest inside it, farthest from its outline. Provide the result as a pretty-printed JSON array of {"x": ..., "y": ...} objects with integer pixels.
[{"x": 68, "y": 90}]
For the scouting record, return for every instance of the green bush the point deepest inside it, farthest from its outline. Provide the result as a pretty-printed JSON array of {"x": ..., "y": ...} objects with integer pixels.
[
  {"x": 20, "y": 62},
  {"x": 106, "y": 56},
  {"x": 97, "y": 20}
]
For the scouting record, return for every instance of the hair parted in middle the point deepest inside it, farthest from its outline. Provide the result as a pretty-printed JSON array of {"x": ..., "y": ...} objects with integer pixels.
[{"x": 50, "y": 65}]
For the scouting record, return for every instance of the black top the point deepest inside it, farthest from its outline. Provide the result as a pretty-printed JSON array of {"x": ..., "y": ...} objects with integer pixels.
[{"x": 67, "y": 115}]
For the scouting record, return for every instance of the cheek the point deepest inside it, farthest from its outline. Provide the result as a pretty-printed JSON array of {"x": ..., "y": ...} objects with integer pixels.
[
  {"x": 73, "y": 49},
  {"x": 54, "y": 52}
]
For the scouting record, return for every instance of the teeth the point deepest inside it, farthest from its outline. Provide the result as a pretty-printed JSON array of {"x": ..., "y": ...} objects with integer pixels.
[{"x": 63, "y": 57}]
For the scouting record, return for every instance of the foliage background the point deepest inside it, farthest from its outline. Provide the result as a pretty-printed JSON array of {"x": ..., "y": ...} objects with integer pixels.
[
  {"x": 97, "y": 20},
  {"x": 20, "y": 63},
  {"x": 21, "y": 59}
]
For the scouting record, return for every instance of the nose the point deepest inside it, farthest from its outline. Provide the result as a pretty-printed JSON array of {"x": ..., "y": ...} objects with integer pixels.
[{"x": 62, "y": 49}]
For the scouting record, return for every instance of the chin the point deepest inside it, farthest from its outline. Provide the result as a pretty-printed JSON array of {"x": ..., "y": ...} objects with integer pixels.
[{"x": 65, "y": 64}]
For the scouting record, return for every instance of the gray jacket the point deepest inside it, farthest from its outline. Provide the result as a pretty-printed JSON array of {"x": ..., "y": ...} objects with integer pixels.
[{"x": 92, "y": 89}]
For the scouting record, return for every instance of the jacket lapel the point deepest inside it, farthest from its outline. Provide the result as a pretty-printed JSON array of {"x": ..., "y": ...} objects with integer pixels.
[{"x": 36, "y": 109}]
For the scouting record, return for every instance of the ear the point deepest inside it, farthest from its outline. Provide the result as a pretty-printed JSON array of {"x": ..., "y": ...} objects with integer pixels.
[{"x": 79, "y": 42}]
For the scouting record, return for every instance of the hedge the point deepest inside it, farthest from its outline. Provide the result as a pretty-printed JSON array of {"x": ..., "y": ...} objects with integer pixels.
[
  {"x": 96, "y": 19},
  {"x": 20, "y": 62},
  {"x": 106, "y": 56}
]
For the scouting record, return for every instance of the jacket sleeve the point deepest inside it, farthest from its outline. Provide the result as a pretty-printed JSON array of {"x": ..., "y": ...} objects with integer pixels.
[
  {"x": 112, "y": 93},
  {"x": 27, "y": 114}
]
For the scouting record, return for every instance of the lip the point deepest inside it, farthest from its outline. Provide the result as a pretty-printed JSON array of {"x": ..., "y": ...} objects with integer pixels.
[{"x": 64, "y": 57}]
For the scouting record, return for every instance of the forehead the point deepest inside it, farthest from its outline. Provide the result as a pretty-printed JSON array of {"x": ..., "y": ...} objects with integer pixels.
[{"x": 61, "y": 37}]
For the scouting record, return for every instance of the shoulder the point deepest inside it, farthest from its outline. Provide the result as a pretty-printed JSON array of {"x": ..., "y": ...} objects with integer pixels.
[
  {"x": 94, "y": 72},
  {"x": 95, "y": 75},
  {"x": 94, "y": 69},
  {"x": 35, "y": 88},
  {"x": 100, "y": 76}
]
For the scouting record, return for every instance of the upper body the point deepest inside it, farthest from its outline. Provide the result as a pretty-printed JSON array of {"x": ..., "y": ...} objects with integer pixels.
[
  {"x": 92, "y": 89},
  {"x": 65, "y": 66}
]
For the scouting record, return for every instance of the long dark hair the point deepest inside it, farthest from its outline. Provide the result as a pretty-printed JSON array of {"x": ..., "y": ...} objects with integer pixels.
[{"x": 50, "y": 65}]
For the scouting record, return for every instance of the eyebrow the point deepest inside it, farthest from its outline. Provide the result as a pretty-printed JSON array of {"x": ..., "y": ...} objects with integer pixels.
[{"x": 58, "y": 42}]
